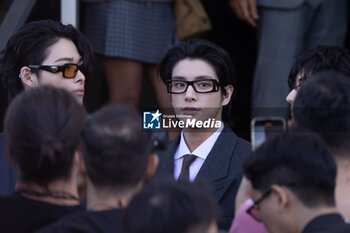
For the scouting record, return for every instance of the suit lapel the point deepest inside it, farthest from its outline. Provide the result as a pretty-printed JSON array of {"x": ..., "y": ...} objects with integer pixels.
[{"x": 216, "y": 168}]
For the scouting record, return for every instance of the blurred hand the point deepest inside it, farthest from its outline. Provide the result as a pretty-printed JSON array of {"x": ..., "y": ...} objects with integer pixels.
[{"x": 245, "y": 10}]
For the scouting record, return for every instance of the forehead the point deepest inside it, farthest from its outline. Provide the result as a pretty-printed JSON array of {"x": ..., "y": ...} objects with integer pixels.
[
  {"x": 192, "y": 69},
  {"x": 63, "y": 48}
]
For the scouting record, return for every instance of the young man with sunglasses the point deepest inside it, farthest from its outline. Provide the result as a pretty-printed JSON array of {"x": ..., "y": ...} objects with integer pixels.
[
  {"x": 199, "y": 77},
  {"x": 293, "y": 178},
  {"x": 42, "y": 52}
]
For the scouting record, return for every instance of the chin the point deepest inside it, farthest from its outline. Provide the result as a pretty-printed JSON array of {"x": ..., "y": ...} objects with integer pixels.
[{"x": 80, "y": 99}]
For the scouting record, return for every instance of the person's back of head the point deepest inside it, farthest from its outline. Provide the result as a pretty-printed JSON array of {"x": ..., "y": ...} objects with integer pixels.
[
  {"x": 295, "y": 163},
  {"x": 322, "y": 105},
  {"x": 116, "y": 150},
  {"x": 321, "y": 58},
  {"x": 300, "y": 161},
  {"x": 168, "y": 206},
  {"x": 42, "y": 129},
  {"x": 30, "y": 46}
]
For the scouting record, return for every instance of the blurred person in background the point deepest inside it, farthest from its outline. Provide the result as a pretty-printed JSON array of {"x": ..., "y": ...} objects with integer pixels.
[
  {"x": 132, "y": 37},
  {"x": 172, "y": 207},
  {"x": 286, "y": 28},
  {"x": 43, "y": 128},
  {"x": 118, "y": 159},
  {"x": 42, "y": 52}
]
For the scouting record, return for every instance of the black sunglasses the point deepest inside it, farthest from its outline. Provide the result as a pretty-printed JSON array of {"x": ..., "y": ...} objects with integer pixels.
[{"x": 68, "y": 70}]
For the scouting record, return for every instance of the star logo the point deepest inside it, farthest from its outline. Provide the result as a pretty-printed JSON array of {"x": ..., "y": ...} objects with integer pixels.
[
  {"x": 151, "y": 120},
  {"x": 156, "y": 115}
]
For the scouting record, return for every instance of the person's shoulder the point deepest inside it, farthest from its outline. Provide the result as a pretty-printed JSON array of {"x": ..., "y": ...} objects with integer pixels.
[
  {"x": 87, "y": 222},
  {"x": 230, "y": 136}
]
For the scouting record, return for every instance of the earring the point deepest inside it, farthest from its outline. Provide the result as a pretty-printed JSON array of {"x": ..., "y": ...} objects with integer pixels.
[{"x": 20, "y": 76}]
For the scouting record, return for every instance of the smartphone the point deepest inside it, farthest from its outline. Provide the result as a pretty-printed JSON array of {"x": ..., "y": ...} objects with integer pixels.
[{"x": 263, "y": 128}]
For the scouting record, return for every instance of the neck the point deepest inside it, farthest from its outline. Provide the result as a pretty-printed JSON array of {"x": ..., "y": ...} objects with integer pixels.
[
  {"x": 66, "y": 192},
  {"x": 195, "y": 137},
  {"x": 109, "y": 198},
  {"x": 304, "y": 215},
  {"x": 342, "y": 189}
]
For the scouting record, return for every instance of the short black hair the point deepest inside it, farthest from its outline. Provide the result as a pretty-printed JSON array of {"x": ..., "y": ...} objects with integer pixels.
[
  {"x": 207, "y": 51},
  {"x": 300, "y": 161},
  {"x": 115, "y": 148},
  {"x": 172, "y": 207},
  {"x": 43, "y": 127},
  {"x": 322, "y": 105},
  {"x": 318, "y": 59},
  {"x": 29, "y": 47}
]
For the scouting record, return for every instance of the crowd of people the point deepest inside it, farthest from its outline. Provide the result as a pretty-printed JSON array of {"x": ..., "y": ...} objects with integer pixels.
[{"x": 63, "y": 170}]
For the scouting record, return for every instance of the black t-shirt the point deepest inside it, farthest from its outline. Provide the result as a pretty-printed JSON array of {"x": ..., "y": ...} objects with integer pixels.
[
  {"x": 19, "y": 214},
  {"x": 88, "y": 222}
]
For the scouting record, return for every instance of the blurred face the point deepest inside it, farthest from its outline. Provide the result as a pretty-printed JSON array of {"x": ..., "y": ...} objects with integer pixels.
[
  {"x": 213, "y": 228},
  {"x": 199, "y": 105},
  {"x": 267, "y": 213},
  {"x": 293, "y": 93},
  {"x": 62, "y": 52}
]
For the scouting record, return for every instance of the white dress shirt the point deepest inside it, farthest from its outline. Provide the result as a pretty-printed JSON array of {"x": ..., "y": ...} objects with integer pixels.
[{"x": 201, "y": 152}]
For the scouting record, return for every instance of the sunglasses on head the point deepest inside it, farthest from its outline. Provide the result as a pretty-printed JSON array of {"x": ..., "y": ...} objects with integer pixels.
[{"x": 68, "y": 70}]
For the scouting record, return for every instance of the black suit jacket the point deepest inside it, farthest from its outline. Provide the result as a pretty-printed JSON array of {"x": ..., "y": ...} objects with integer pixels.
[
  {"x": 222, "y": 169},
  {"x": 328, "y": 223}
]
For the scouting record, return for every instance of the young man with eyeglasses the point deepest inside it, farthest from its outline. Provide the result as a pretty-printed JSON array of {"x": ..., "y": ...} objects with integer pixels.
[
  {"x": 199, "y": 77},
  {"x": 293, "y": 178},
  {"x": 42, "y": 53}
]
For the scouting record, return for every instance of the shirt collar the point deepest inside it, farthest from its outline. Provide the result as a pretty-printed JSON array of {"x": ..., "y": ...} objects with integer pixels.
[{"x": 203, "y": 149}]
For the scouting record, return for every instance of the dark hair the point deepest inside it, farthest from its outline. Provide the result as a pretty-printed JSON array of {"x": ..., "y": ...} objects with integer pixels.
[
  {"x": 207, "y": 51},
  {"x": 30, "y": 46},
  {"x": 318, "y": 59},
  {"x": 43, "y": 127},
  {"x": 172, "y": 207},
  {"x": 322, "y": 105},
  {"x": 300, "y": 161},
  {"x": 115, "y": 148}
]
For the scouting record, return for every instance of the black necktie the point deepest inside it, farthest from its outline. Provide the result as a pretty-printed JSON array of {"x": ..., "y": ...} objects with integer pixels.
[{"x": 185, "y": 169}]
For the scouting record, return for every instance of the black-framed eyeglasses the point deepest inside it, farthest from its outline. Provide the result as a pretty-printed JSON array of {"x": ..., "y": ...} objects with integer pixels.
[
  {"x": 199, "y": 86},
  {"x": 68, "y": 70},
  {"x": 254, "y": 209}
]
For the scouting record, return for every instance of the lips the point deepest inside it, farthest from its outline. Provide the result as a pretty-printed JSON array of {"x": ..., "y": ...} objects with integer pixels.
[
  {"x": 79, "y": 92},
  {"x": 190, "y": 111}
]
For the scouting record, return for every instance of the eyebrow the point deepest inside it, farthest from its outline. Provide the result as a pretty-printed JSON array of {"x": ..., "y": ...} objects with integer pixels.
[
  {"x": 201, "y": 77},
  {"x": 69, "y": 59}
]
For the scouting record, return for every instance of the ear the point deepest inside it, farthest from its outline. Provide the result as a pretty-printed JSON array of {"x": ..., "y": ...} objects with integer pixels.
[
  {"x": 80, "y": 163},
  {"x": 152, "y": 166},
  {"x": 227, "y": 97},
  {"x": 29, "y": 79},
  {"x": 283, "y": 196}
]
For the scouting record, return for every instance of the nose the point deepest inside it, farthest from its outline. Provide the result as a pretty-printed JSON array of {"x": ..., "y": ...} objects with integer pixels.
[
  {"x": 79, "y": 77},
  {"x": 190, "y": 94},
  {"x": 291, "y": 96}
]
